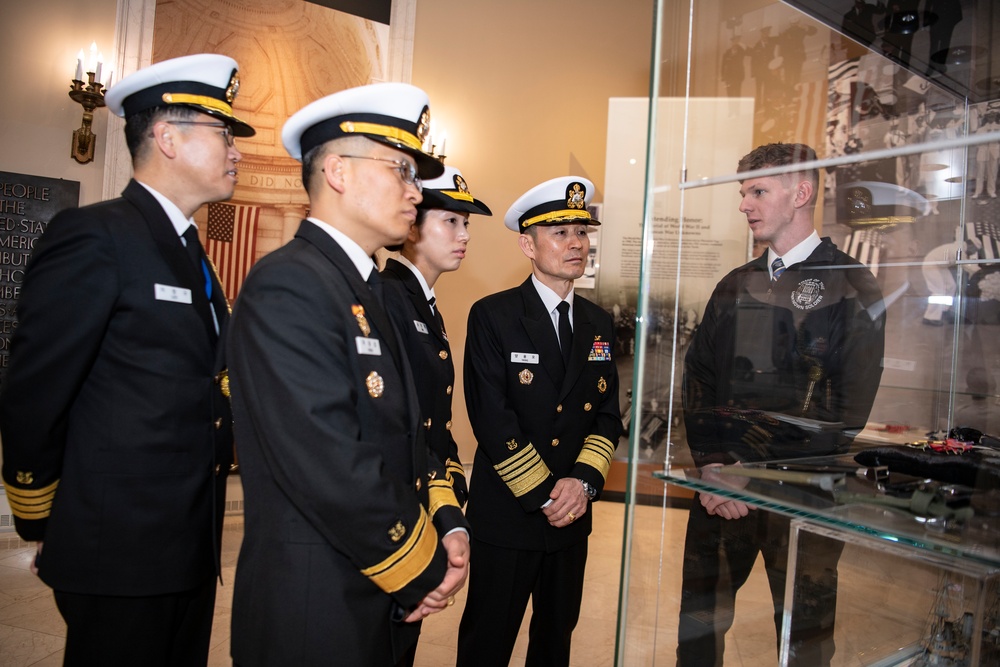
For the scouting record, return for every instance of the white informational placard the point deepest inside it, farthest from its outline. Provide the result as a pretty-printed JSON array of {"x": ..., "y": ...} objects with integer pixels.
[{"x": 698, "y": 235}]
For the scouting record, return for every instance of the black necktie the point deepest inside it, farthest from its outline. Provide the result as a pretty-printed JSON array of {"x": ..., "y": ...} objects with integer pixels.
[
  {"x": 375, "y": 284},
  {"x": 438, "y": 320},
  {"x": 565, "y": 331},
  {"x": 197, "y": 256}
]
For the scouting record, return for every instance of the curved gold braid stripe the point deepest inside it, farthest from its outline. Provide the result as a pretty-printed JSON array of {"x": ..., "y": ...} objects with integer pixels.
[
  {"x": 34, "y": 511},
  {"x": 200, "y": 100},
  {"x": 441, "y": 495},
  {"x": 409, "y": 560},
  {"x": 405, "y": 138},
  {"x": 31, "y": 503},
  {"x": 597, "y": 452},
  {"x": 523, "y": 472},
  {"x": 554, "y": 216},
  {"x": 457, "y": 194}
]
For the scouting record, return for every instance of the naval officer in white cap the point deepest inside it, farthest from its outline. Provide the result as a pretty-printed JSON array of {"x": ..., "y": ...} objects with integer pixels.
[
  {"x": 436, "y": 244},
  {"x": 541, "y": 387},
  {"x": 116, "y": 434},
  {"x": 353, "y": 532}
]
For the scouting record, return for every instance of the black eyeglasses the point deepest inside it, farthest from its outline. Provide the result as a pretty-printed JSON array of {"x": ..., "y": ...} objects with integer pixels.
[
  {"x": 227, "y": 132},
  {"x": 407, "y": 171}
]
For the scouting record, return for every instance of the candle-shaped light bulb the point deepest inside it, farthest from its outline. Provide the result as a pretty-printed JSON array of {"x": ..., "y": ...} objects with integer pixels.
[
  {"x": 92, "y": 61},
  {"x": 79, "y": 66},
  {"x": 444, "y": 142},
  {"x": 100, "y": 64},
  {"x": 111, "y": 75}
]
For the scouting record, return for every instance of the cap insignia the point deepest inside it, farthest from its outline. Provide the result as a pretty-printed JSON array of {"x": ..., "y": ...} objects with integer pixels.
[
  {"x": 576, "y": 195},
  {"x": 359, "y": 315},
  {"x": 234, "y": 86},
  {"x": 375, "y": 384},
  {"x": 461, "y": 185},
  {"x": 525, "y": 376},
  {"x": 424, "y": 125}
]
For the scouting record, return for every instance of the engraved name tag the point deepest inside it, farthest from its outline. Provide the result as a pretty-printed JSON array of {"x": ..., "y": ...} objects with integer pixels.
[
  {"x": 171, "y": 293},
  {"x": 523, "y": 358},
  {"x": 370, "y": 346}
]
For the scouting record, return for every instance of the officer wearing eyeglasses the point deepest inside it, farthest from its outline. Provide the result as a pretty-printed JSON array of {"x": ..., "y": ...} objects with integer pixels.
[
  {"x": 353, "y": 532},
  {"x": 116, "y": 433}
]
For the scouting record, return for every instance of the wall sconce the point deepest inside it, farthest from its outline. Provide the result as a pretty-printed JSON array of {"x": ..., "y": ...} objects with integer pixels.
[
  {"x": 90, "y": 95},
  {"x": 431, "y": 148}
]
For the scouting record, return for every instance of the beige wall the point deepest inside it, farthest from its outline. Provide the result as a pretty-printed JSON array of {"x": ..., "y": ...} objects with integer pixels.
[
  {"x": 39, "y": 41},
  {"x": 521, "y": 88}
]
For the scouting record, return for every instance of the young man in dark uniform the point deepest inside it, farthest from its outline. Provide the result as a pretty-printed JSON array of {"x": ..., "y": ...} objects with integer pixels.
[
  {"x": 436, "y": 244},
  {"x": 116, "y": 434},
  {"x": 542, "y": 392},
  {"x": 799, "y": 331}
]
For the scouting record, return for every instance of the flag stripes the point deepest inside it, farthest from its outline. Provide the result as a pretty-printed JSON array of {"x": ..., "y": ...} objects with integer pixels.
[{"x": 232, "y": 242}]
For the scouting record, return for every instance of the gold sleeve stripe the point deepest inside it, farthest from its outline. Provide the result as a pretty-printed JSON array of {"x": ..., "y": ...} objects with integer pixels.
[
  {"x": 403, "y": 566},
  {"x": 31, "y": 503},
  {"x": 597, "y": 452},
  {"x": 455, "y": 468},
  {"x": 523, "y": 471},
  {"x": 441, "y": 494}
]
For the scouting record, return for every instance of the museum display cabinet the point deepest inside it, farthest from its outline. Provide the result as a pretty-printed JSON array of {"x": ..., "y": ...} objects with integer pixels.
[{"x": 901, "y": 102}]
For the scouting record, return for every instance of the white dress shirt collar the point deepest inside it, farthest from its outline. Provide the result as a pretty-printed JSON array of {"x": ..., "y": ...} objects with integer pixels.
[
  {"x": 362, "y": 262},
  {"x": 799, "y": 253},
  {"x": 177, "y": 218},
  {"x": 428, "y": 290},
  {"x": 550, "y": 299}
]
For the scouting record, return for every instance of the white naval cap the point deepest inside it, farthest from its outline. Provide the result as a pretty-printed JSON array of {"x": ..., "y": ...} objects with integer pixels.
[
  {"x": 450, "y": 192},
  {"x": 395, "y": 114},
  {"x": 559, "y": 201},
  {"x": 206, "y": 82}
]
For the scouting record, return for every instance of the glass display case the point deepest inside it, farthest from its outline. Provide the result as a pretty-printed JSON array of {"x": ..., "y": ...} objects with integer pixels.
[{"x": 857, "y": 422}]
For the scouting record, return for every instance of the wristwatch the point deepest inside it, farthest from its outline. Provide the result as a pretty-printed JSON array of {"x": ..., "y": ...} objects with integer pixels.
[{"x": 589, "y": 490}]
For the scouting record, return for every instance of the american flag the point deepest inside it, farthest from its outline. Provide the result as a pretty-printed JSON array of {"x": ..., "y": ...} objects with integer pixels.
[{"x": 232, "y": 241}]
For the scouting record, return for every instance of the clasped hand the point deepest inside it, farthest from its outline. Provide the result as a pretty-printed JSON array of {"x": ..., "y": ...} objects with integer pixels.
[{"x": 456, "y": 545}]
